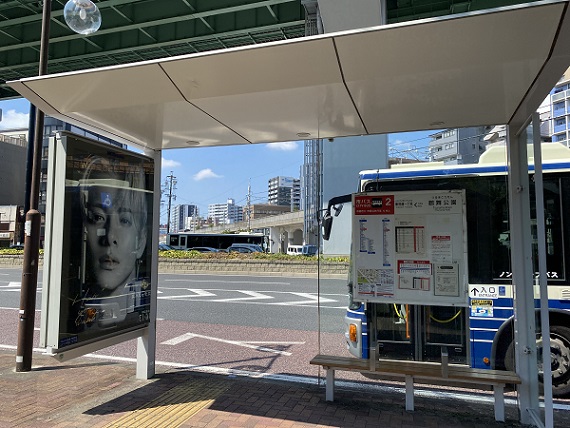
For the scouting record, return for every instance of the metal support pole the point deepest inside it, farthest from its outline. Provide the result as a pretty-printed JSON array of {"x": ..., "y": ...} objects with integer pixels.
[
  {"x": 33, "y": 225},
  {"x": 146, "y": 344},
  {"x": 521, "y": 259}
]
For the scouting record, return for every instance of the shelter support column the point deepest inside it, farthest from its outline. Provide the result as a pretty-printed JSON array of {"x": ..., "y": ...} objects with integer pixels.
[
  {"x": 274, "y": 239},
  {"x": 146, "y": 344},
  {"x": 522, "y": 268}
]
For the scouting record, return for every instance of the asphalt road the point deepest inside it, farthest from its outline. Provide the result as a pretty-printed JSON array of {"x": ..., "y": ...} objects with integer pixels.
[
  {"x": 274, "y": 302},
  {"x": 251, "y": 323}
]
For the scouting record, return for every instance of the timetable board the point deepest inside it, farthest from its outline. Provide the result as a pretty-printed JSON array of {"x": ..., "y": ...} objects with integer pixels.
[{"x": 410, "y": 247}]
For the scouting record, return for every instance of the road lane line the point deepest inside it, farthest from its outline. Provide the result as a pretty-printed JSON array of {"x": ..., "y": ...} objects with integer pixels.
[
  {"x": 228, "y": 282},
  {"x": 254, "y": 295},
  {"x": 187, "y": 336},
  {"x": 312, "y": 299},
  {"x": 197, "y": 293}
]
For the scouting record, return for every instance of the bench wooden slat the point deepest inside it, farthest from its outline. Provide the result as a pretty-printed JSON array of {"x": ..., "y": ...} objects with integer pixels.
[{"x": 420, "y": 369}]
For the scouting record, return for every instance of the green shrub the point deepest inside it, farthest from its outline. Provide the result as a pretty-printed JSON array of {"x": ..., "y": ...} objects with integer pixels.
[{"x": 181, "y": 254}]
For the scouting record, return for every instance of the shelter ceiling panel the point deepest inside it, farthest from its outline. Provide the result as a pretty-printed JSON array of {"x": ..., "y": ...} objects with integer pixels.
[
  {"x": 272, "y": 67},
  {"x": 287, "y": 115},
  {"x": 430, "y": 70},
  {"x": 159, "y": 125},
  {"x": 105, "y": 89}
]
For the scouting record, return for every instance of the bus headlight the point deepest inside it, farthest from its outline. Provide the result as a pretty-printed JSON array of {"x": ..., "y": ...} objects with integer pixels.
[{"x": 352, "y": 333}]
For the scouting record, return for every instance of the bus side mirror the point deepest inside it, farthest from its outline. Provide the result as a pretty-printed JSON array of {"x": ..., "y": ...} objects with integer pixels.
[{"x": 326, "y": 223}]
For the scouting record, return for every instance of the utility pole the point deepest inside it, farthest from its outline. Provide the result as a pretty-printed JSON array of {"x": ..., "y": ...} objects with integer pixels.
[
  {"x": 169, "y": 188},
  {"x": 249, "y": 206},
  {"x": 84, "y": 13}
]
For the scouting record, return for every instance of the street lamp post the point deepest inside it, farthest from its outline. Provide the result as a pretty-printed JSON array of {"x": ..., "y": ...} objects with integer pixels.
[{"x": 83, "y": 17}]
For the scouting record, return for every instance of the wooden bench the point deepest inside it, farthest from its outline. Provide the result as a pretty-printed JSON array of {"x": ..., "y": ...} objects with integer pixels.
[{"x": 421, "y": 370}]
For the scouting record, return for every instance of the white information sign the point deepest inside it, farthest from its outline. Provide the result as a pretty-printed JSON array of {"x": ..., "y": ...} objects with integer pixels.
[{"x": 410, "y": 247}]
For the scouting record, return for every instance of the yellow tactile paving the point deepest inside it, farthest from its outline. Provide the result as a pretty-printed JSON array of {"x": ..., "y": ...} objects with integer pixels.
[{"x": 174, "y": 407}]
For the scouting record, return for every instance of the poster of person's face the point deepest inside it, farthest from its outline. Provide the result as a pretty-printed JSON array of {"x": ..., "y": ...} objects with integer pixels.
[{"x": 106, "y": 256}]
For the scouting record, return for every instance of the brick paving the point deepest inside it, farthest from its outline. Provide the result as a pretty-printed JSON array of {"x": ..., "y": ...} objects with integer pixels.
[{"x": 96, "y": 393}]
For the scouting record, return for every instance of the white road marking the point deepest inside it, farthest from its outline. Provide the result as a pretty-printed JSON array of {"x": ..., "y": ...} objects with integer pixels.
[
  {"x": 312, "y": 298},
  {"x": 12, "y": 284},
  {"x": 227, "y": 281},
  {"x": 187, "y": 336},
  {"x": 16, "y": 286},
  {"x": 254, "y": 295},
  {"x": 197, "y": 293}
]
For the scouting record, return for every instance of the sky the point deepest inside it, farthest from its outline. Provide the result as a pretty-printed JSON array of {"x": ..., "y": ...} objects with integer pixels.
[{"x": 211, "y": 175}]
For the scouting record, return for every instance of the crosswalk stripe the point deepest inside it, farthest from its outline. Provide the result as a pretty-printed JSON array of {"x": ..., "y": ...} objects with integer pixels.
[{"x": 254, "y": 295}]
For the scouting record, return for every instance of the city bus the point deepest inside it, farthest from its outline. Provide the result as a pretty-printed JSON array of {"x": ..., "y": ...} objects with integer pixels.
[
  {"x": 220, "y": 241},
  {"x": 479, "y": 333}
]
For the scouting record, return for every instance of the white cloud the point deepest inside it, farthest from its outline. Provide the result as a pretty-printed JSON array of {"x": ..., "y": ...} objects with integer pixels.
[
  {"x": 287, "y": 146},
  {"x": 206, "y": 173},
  {"x": 11, "y": 119},
  {"x": 168, "y": 163}
]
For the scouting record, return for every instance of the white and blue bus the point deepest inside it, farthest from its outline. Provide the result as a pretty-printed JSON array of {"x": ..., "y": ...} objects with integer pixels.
[{"x": 481, "y": 333}]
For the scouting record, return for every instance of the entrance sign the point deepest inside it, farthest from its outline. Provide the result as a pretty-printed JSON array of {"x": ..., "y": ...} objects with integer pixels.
[
  {"x": 410, "y": 247},
  {"x": 98, "y": 245}
]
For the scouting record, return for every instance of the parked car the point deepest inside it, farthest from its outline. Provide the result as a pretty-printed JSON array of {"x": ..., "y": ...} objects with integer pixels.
[
  {"x": 17, "y": 247},
  {"x": 164, "y": 247},
  {"x": 309, "y": 250},
  {"x": 245, "y": 248},
  {"x": 204, "y": 249},
  {"x": 294, "y": 250}
]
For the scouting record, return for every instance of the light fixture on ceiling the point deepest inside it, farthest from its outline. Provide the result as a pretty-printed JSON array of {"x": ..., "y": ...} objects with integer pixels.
[
  {"x": 82, "y": 16},
  {"x": 303, "y": 134}
]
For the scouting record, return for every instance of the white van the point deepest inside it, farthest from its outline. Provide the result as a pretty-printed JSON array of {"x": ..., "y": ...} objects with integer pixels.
[{"x": 295, "y": 250}]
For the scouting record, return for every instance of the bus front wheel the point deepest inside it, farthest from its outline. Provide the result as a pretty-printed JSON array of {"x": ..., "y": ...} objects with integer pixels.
[{"x": 559, "y": 359}]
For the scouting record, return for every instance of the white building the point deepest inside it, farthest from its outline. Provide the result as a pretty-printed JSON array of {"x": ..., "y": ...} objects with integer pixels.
[
  {"x": 226, "y": 213},
  {"x": 559, "y": 101},
  {"x": 181, "y": 215},
  {"x": 284, "y": 191},
  {"x": 457, "y": 146}
]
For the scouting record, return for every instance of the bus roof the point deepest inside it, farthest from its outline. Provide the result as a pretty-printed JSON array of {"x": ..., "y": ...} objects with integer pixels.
[{"x": 492, "y": 162}]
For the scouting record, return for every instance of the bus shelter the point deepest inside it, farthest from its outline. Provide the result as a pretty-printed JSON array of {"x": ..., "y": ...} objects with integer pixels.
[{"x": 488, "y": 67}]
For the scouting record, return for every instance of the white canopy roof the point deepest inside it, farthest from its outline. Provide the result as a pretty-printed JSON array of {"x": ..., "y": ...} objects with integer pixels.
[{"x": 489, "y": 67}]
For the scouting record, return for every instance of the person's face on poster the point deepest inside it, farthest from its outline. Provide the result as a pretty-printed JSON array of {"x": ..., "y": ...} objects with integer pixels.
[{"x": 115, "y": 237}]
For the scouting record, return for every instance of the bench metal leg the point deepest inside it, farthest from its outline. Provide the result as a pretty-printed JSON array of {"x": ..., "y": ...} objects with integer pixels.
[
  {"x": 409, "y": 393},
  {"x": 498, "y": 391},
  {"x": 330, "y": 385}
]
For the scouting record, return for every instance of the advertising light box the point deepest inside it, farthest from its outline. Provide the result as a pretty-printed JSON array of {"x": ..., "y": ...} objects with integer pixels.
[
  {"x": 97, "y": 261},
  {"x": 410, "y": 247}
]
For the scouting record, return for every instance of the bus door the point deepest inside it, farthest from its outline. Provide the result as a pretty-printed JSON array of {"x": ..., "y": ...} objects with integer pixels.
[
  {"x": 182, "y": 241},
  {"x": 445, "y": 326},
  {"x": 416, "y": 332}
]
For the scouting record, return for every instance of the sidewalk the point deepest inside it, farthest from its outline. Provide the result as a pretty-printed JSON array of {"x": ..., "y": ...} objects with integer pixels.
[{"x": 89, "y": 392}]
